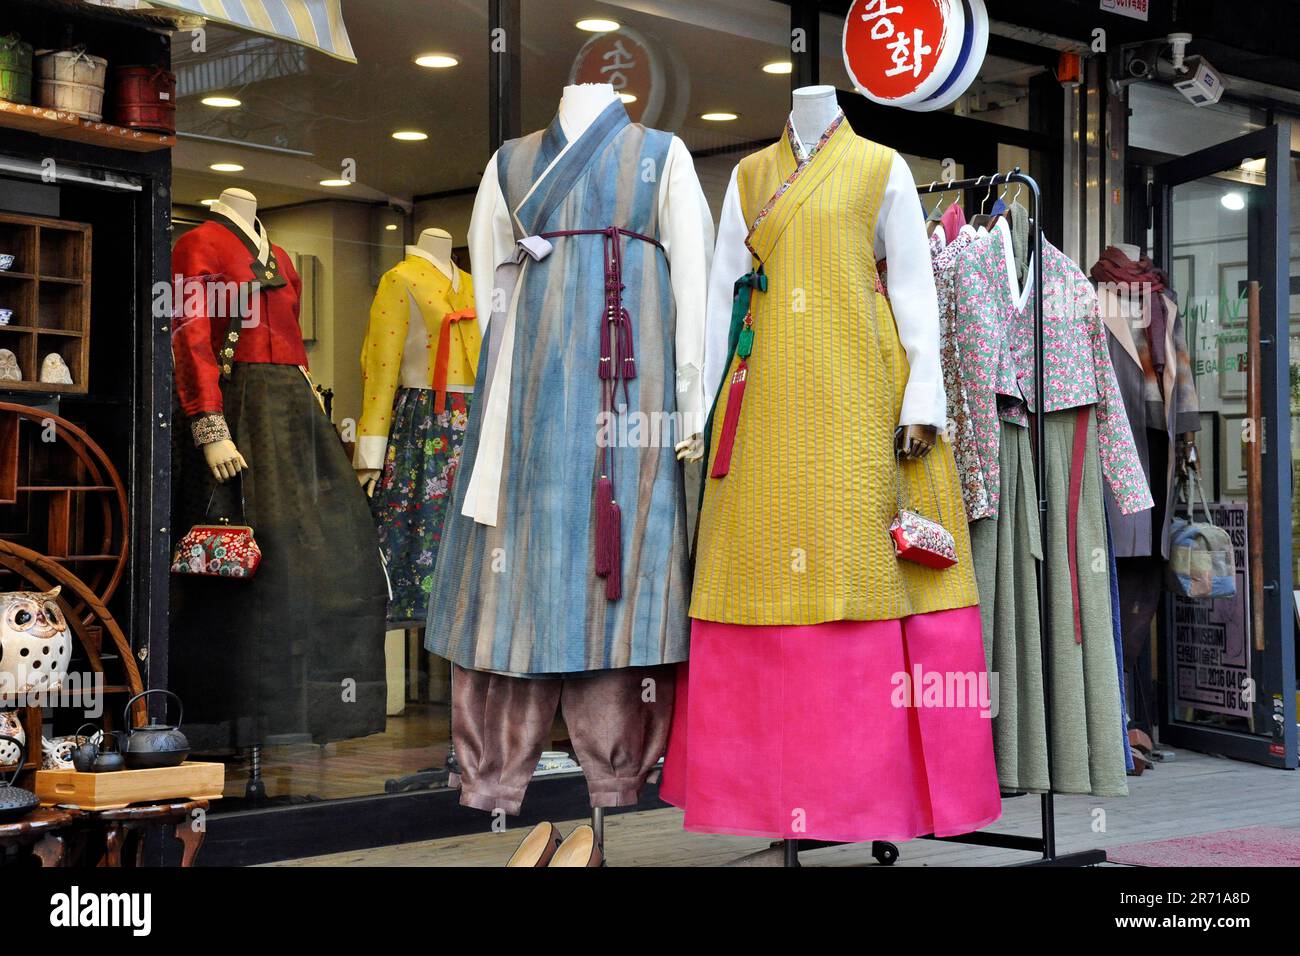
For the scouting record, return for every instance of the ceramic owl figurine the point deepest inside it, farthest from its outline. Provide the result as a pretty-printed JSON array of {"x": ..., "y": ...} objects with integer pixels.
[
  {"x": 35, "y": 643},
  {"x": 54, "y": 371},
  {"x": 9, "y": 370},
  {"x": 10, "y": 726}
]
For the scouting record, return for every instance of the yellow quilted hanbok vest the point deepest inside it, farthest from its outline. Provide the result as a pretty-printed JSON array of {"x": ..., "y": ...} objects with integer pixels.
[{"x": 797, "y": 531}]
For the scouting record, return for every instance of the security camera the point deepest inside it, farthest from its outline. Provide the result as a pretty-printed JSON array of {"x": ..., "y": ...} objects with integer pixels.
[
  {"x": 1201, "y": 83},
  {"x": 1178, "y": 43}
]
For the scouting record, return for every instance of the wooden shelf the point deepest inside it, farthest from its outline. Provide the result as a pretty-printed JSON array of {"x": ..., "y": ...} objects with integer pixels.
[
  {"x": 50, "y": 299},
  {"x": 59, "y": 124}
]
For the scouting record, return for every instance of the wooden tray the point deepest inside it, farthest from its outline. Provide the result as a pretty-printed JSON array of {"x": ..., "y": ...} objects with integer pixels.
[{"x": 112, "y": 791}]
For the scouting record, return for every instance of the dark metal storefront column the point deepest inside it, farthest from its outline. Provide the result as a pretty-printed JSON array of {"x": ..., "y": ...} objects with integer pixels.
[
  {"x": 805, "y": 43},
  {"x": 505, "y": 93}
]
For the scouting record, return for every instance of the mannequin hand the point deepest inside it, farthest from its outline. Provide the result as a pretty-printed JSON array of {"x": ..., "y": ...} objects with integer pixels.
[
  {"x": 692, "y": 449},
  {"x": 368, "y": 477},
  {"x": 915, "y": 441},
  {"x": 224, "y": 460}
]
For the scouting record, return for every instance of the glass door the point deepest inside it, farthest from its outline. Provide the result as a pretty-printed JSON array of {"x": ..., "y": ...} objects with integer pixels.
[{"x": 1222, "y": 221}]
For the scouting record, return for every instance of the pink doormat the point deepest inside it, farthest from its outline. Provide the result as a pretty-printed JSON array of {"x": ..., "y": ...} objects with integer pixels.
[{"x": 1249, "y": 846}]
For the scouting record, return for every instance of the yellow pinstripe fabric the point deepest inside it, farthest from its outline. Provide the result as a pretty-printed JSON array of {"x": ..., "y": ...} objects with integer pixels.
[
  {"x": 290, "y": 20},
  {"x": 797, "y": 533}
]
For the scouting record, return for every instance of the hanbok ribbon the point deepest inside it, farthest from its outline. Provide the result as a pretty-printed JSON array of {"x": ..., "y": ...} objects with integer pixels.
[
  {"x": 617, "y": 364},
  {"x": 444, "y": 356},
  {"x": 741, "y": 343}
]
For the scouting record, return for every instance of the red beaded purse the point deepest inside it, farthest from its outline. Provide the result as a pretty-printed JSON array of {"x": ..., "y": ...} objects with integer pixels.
[{"x": 220, "y": 550}]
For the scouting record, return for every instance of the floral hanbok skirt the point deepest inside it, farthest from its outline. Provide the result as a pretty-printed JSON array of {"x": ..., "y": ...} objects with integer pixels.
[{"x": 411, "y": 499}]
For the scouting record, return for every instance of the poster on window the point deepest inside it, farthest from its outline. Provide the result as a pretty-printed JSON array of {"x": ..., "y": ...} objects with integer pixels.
[{"x": 1211, "y": 639}]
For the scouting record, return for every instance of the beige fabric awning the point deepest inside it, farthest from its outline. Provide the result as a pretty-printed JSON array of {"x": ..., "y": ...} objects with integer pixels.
[{"x": 312, "y": 23}]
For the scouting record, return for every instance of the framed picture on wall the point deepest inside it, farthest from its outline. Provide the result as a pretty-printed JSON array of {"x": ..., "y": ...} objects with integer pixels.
[
  {"x": 1232, "y": 294},
  {"x": 1232, "y": 457},
  {"x": 1232, "y": 364}
]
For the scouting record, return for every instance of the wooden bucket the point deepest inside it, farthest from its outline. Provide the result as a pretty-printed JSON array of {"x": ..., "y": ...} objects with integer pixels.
[
  {"x": 15, "y": 70},
  {"x": 143, "y": 97},
  {"x": 73, "y": 81}
]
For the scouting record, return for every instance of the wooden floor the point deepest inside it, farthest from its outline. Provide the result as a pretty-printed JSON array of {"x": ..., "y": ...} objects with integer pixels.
[{"x": 1192, "y": 794}]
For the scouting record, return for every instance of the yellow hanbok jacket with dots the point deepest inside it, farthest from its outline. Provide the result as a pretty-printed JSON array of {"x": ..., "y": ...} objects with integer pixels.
[{"x": 422, "y": 334}]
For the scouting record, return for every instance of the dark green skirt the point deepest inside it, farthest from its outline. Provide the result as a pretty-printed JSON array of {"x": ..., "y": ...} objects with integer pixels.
[{"x": 297, "y": 653}]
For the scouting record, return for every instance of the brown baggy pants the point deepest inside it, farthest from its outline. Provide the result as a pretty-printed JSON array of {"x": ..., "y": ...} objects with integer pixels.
[{"x": 618, "y": 721}]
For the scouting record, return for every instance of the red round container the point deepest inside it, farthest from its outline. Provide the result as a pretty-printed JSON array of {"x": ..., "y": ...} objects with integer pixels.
[{"x": 143, "y": 97}]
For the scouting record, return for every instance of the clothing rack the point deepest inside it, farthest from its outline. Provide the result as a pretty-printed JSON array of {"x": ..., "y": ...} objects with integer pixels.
[{"x": 1044, "y": 845}]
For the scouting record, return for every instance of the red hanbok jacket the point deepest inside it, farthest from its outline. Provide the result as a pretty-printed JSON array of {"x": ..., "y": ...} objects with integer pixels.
[{"x": 215, "y": 265}]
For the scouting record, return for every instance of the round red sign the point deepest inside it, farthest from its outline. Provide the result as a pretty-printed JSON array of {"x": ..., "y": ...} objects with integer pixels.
[
  {"x": 629, "y": 62},
  {"x": 901, "y": 51}
]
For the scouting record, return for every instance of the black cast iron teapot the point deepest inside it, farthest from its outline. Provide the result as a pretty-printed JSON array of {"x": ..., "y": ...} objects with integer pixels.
[
  {"x": 15, "y": 802},
  {"x": 92, "y": 757},
  {"x": 154, "y": 745}
]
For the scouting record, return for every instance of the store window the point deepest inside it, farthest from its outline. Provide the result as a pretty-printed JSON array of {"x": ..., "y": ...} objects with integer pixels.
[
  {"x": 350, "y": 164},
  {"x": 341, "y": 158}
]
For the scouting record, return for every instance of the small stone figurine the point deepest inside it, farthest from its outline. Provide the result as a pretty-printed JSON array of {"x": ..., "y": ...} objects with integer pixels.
[{"x": 54, "y": 371}]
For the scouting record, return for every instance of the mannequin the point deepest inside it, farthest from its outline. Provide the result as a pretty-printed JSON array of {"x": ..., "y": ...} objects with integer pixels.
[
  {"x": 419, "y": 360},
  {"x": 435, "y": 245},
  {"x": 814, "y": 109},
  {"x": 1187, "y": 454},
  {"x": 794, "y": 656},
  {"x": 591, "y": 284},
  {"x": 260, "y": 666},
  {"x": 240, "y": 206}
]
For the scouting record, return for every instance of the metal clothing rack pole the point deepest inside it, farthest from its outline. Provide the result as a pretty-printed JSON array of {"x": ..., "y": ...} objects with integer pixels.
[{"x": 1046, "y": 844}]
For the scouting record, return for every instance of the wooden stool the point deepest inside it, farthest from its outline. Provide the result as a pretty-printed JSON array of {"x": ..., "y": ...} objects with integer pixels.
[
  {"x": 42, "y": 830},
  {"x": 119, "y": 824}
]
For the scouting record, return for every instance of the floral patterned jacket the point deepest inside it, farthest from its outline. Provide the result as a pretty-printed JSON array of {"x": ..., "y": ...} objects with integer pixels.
[{"x": 993, "y": 365}]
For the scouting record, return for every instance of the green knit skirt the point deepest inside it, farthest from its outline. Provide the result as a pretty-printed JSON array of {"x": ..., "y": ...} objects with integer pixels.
[{"x": 1087, "y": 718}]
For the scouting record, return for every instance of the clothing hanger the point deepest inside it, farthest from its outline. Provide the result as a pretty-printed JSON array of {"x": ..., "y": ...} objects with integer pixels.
[
  {"x": 936, "y": 214},
  {"x": 982, "y": 220}
]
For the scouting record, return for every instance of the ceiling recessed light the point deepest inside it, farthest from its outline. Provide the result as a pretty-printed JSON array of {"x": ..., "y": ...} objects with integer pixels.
[
  {"x": 208, "y": 202},
  {"x": 627, "y": 97},
  {"x": 436, "y": 61},
  {"x": 597, "y": 25},
  {"x": 336, "y": 183},
  {"x": 226, "y": 168},
  {"x": 1234, "y": 201},
  {"x": 221, "y": 102},
  {"x": 391, "y": 227},
  {"x": 781, "y": 67},
  {"x": 410, "y": 135},
  {"x": 719, "y": 117}
]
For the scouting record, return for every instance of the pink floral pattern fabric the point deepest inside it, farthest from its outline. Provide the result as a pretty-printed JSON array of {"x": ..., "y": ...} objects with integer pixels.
[{"x": 995, "y": 341}]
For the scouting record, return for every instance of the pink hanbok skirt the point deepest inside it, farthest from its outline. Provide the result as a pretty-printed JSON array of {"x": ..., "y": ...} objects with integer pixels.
[{"x": 847, "y": 731}]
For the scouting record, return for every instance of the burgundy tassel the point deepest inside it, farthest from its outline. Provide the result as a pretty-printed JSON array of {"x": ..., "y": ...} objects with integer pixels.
[
  {"x": 629, "y": 360},
  {"x": 604, "y": 501},
  {"x": 606, "y": 352},
  {"x": 614, "y": 527},
  {"x": 735, "y": 398}
]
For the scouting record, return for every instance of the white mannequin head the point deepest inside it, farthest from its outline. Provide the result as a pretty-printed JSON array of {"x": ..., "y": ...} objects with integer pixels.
[{"x": 242, "y": 203}]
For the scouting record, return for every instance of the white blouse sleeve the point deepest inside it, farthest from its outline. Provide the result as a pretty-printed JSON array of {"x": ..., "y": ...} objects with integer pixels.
[
  {"x": 686, "y": 231},
  {"x": 731, "y": 260},
  {"x": 900, "y": 237},
  {"x": 491, "y": 241}
]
